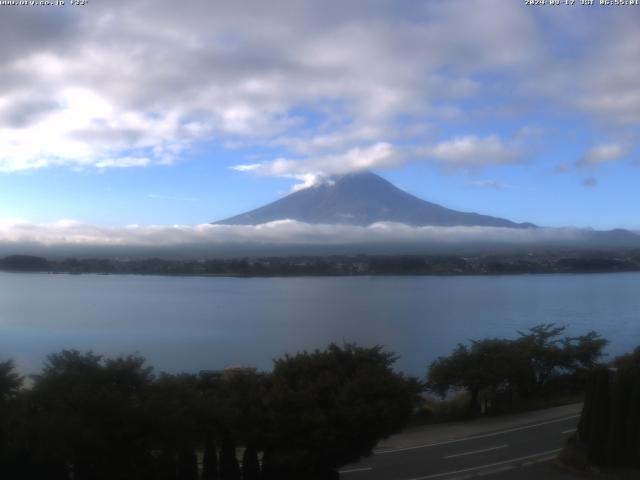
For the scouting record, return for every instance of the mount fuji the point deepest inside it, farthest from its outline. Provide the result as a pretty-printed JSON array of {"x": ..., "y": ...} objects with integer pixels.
[{"x": 363, "y": 199}]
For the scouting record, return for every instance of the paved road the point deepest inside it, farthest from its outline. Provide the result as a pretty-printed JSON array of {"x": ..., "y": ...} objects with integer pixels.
[{"x": 485, "y": 452}]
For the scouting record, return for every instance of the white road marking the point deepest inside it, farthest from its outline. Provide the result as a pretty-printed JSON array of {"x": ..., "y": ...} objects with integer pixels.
[
  {"x": 571, "y": 430},
  {"x": 482, "y": 467},
  {"x": 455, "y": 455},
  {"x": 355, "y": 470},
  {"x": 474, "y": 437}
]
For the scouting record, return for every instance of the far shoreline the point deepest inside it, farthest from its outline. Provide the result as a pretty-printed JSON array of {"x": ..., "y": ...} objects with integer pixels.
[{"x": 434, "y": 265}]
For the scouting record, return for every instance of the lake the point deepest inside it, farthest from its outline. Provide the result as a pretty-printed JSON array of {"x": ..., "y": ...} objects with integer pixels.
[{"x": 194, "y": 323}]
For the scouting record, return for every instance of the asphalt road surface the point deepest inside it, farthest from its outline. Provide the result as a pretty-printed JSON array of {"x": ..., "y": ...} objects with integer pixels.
[{"x": 478, "y": 455}]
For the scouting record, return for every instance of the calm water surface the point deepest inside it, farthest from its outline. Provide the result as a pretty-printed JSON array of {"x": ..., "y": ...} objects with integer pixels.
[{"x": 193, "y": 323}]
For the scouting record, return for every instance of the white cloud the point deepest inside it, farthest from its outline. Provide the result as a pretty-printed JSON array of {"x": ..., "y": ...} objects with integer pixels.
[
  {"x": 467, "y": 152},
  {"x": 69, "y": 233},
  {"x": 123, "y": 162},
  {"x": 318, "y": 143},
  {"x": 247, "y": 167},
  {"x": 611, "y": 89},
  {"x": 312, "y": 170},
  {"x": 471, "y": 151},
  {"x": 147, "y": 80},
  {"x": 600, "y": 154}
]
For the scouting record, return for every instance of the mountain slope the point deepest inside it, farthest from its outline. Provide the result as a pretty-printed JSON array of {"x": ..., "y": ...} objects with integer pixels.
[{"x": 363, "y": 199}]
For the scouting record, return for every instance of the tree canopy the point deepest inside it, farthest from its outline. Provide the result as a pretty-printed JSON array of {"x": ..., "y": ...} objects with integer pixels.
[
  {"x": 336, "y": 404},
  {"x": 520, "y": 367},
  {"x": 90, "y": 418},
  {"x": 609, "y": 426}
]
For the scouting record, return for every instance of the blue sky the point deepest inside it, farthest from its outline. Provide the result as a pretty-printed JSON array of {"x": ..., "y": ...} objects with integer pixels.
[{"x": 144, "y": 112}]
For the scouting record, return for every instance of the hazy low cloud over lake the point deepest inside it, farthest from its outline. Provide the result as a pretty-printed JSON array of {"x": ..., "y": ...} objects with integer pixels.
[{"x": 69, "y": 237}]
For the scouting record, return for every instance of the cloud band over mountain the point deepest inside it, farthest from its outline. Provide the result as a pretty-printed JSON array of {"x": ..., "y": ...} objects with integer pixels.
[{"x": 78, "y": 238}]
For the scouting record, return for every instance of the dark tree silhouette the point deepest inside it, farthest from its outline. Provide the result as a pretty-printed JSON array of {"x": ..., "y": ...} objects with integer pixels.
[
  {"x": 329, "y": 408},
  {"x": 519, "y": 368},
  {"x": 90, "y": 414},
  {"x": 229, "y": 467},
  {"x": 10, "y": 380},
  {"x": 210, "y": 460},
  {"x": 250, "y": 464},
  {"x": 91, "y": 418},
  {"x": 610, "y": 420}
]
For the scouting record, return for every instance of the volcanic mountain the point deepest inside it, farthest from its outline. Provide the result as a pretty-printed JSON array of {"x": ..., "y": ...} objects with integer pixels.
[{"x": 363, "y": 199}]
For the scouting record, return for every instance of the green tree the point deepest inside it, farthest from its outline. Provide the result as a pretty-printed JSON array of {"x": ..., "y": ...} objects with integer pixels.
[
  {"x": 233, "y": 413},
  {"x": 632, "y": 440},
  {"x": 493, "y": 369},
  {"x": 329, "y": 408},
  {"x": 172, "y": 406},
  {"x": 492, "y": 366},
  {"x": 625, "y": 435},
  {"x": 610, "y": 420},
  {"x": 240, "y": 407},
  {"x": 583, "y": 353},
  {"x": 89, "y": 415},
  {"x": 620, "y": 392},
  {"x": 598, "y": 423},
  {"x": 10, "y": 380},
  {"x": 542, "y": 346},
  {"x": 10, "y": 387}
]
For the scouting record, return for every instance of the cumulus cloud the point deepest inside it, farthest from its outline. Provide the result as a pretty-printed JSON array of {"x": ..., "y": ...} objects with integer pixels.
[
  {"x": 600, "y": 154},
  {"x": 318, "y": 143},
  {"x": 149, "y": 79},
  {"x": 313, "y": 170},
  {"x": 611, "y": 89},
  {"x": 593, "y": 158},
  {"x": 466, "y": 152},
  {"x": 471, "y": 151}
]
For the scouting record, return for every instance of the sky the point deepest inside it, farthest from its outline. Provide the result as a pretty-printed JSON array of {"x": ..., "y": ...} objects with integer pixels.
[{"x": 160, "y": 113}]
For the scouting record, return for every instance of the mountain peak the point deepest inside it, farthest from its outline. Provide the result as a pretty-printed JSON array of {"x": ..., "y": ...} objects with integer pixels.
[{"x": 362, "y": 198}]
